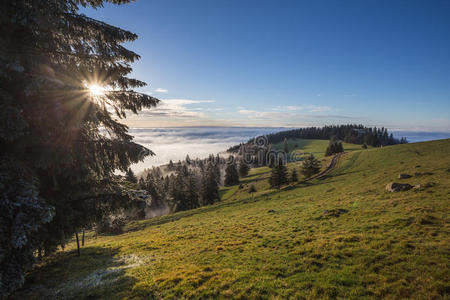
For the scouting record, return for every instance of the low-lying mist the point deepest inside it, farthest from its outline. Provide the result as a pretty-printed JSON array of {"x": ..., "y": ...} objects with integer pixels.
[{"x": 197, "y": 142}]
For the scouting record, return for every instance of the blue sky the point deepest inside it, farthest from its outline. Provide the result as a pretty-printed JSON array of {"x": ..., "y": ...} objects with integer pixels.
[{"x": 291, "y": 63}]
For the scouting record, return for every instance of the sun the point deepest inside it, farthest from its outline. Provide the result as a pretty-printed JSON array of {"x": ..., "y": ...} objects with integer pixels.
[{"x": 96, "y": 90}]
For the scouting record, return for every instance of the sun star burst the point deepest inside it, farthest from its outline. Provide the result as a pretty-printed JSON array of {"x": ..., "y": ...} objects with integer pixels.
[{"x": 96, "y": 90}]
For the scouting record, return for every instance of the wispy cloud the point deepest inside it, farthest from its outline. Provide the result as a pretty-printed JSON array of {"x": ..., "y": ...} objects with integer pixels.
[
  {"x": 307, "y": 108},
  {"x": 193, "y": 112},
  {"x": 208, "y": 109},
  {"x": 161, "y": 90},
  {"x": 177, "y": 108},
  {"x": 288, "y": 115},
  {"x": 320, "y": 108}
]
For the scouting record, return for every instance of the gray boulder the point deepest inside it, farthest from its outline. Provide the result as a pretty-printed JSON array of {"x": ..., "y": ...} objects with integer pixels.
[{"x": 398, "y": 187}]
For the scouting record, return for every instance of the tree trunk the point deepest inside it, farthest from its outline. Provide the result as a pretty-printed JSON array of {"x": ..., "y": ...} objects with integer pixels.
[
  {"x": 78, "y": 244},
  {"x": 82, "y": 239}
]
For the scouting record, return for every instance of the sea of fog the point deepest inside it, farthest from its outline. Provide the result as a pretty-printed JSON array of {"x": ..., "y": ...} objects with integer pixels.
[{"x": 175, "y": 143}]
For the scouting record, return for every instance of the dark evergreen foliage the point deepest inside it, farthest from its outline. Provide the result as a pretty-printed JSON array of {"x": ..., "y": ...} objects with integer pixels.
[
  {"x": 129, "y": 175},
  {"x": 352, "y": 133},
  {"x": 334, "y": 147},
  {"x": 23, "y": 212},
  {"x": 310, "y": 166},
  {"x": 294, "y": 176},
  {"x": 191, "y": 185},
  {"x": 243, "y": 168},
  {"x": 209, "y": 192},
  {"x": 63, "y": 142},
  {"x": 184, "y": 190},
  {"x": 285, "y": 146},
  {"x": 278, "y": 175},
  {"x": 231, "y": 174}
]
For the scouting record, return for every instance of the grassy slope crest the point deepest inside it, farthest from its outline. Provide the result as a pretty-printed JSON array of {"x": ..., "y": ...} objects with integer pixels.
[{"x": 339, "y": 236}]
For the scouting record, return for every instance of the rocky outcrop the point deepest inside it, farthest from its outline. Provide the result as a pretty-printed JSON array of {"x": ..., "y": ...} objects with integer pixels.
[{"x": 398, "y": 187}]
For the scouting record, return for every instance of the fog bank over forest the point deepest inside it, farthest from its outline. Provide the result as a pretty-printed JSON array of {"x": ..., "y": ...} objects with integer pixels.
[{"x": 175, "y": 143}]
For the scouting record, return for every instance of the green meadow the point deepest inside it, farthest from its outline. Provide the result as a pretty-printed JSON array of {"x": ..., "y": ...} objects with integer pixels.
[{"x": 341, "y": 236}]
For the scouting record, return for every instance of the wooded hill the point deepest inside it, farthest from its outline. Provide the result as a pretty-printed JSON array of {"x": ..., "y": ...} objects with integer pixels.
[{"x": 355, "y": 134}]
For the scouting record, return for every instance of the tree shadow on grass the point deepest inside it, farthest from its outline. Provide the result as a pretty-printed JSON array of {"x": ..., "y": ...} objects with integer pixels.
[
  {"x": 326, "y": 179},
  {"x": 136, "y": 226},
  {"x": 328, "y": 176},
  {"x": 97, "y": 273},
  {"x": 188, "y": 213},
  {"x": 251, "y": 180}
]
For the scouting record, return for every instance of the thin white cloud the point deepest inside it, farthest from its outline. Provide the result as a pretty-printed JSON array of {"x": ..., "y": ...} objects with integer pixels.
[
  {"x": 161, "y": 90},
  {"x": 288, "y": 108},
  {"x": 208, "y": 109},
  {"x": 176, "y": 108},
  {"x": 319, "y": 108},
  {"x": 288, "y": 115},
  {"x": 254, "y": 114},
  {"x": 307, "y": 108}
]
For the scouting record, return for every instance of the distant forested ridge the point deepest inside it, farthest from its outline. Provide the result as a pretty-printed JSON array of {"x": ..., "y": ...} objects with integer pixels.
[{"x": 355, "y": 134}]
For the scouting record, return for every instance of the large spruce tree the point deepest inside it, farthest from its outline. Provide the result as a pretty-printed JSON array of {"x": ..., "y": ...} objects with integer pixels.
[
  {"x": 279, "y": 174},
  {"x": 285, "y": 146},
  {"x": 231, "y": 174},
  {"x": 60, "y": 143},
  {"x": 243, "y": 168},
  {"x": 209, "y": 192},
  {"x": 310, "y": 166},
  {"x": 294, "y": 176}
]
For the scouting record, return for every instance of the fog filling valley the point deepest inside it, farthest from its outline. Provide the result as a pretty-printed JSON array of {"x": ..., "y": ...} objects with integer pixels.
[{"x": 198, "y": 142}]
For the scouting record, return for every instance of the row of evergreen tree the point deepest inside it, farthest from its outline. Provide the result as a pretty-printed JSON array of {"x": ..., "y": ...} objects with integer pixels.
[
  {"x": 279, "y": 174},
  {"x": 191, "y": 183},
  {"x": 334, "y": 147}
]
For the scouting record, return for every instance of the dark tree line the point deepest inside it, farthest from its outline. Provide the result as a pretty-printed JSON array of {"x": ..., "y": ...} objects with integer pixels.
[
  {"x": 60, "y": 145},
  {"x": 190, "y": 183}
]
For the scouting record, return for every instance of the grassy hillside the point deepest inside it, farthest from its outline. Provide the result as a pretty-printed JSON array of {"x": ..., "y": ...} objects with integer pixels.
[
  {"x": 342, "y": 236},
  {"x": 316, "y": 147}
]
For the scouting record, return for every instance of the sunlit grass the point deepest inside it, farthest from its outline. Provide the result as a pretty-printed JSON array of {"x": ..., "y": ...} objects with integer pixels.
[{"x": 285, "y": 243}]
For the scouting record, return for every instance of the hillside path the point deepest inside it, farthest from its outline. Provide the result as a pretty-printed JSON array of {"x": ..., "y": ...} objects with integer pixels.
[{"x": 327, "y": 170}]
